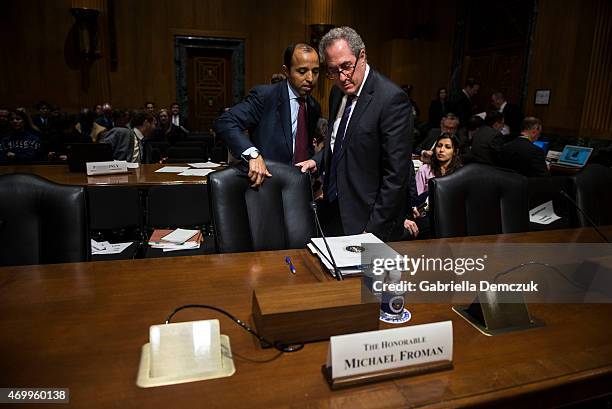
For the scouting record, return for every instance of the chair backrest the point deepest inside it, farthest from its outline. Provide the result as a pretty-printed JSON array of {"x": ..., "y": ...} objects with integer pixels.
[
  {"x": 593, "y": 194},
  {"x": 41, "y": 222},
  {"x": 113, "y": 207},
  {"x": 476, "y": 200},
  {"x": 275, "y": 216},
  {"x": 182, "y": 205}
]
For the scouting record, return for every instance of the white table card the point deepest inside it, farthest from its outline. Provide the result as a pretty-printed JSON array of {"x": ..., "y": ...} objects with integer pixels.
[
  {"x": 374, "y": 351},
  {"x": 105, "y": 168}
]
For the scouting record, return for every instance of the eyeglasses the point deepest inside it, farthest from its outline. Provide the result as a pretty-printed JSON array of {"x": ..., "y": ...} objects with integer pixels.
[{"x": 347, "y": 68}]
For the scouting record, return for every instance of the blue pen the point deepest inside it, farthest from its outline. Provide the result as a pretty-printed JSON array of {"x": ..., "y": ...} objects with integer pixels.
[{"x": 290, "y": 264}]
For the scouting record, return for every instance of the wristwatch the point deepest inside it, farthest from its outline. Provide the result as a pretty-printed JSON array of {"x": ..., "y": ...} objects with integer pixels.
[{"x": 252, "y": 155}]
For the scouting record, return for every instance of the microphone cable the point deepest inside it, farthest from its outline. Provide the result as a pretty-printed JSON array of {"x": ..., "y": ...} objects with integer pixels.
[
  {"x": 277, "y": 345},
  {"x": 586, "y": 216}
]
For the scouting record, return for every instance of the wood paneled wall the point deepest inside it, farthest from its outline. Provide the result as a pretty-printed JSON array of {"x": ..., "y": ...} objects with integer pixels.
[
  {"x": 37, "y": 61},
  {"x": 571, "y": 51},
  {"x": 571, "y": 57}
]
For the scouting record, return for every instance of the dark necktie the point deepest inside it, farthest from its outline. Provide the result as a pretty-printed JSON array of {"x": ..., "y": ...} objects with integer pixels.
[
  {"x": 331, "y": 192},
  {"x": 300, "y": 153}
]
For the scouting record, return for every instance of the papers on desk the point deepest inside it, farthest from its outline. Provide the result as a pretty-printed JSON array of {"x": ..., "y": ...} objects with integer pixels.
[
  {"x": 172, "y": 169},
  {"x": 543, "y": 214},
  {"x": 348, "y": 252},
  {"x": 174, "y": 240},
  {"x": 104, "y": 247},
  {"x": 196, "y": 172},
  {"x": 204, "y": 165}
]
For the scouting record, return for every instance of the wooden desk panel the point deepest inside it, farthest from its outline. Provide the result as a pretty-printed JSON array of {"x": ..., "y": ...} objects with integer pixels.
[
  {"x": 82, "y": 325},
  {"x": 143, "y": 176}
]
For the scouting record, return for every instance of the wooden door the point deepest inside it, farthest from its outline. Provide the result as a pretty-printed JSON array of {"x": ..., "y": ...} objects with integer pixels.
[{"x": 209, "y": 86}]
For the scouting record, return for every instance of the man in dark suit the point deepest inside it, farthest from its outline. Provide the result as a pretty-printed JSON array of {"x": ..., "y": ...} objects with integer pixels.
[
  {"x": 281, "y": 118},
  {"x": 127, "y": 144},
  {"x": 366, "y": 160},
  {"x": 513, "y": 117},
  {"x": 177, "y": 118},
  {"x": 522, "y": 155},
  {"x": 461, "y": 104},
  {"x": 485, "y": 143}
]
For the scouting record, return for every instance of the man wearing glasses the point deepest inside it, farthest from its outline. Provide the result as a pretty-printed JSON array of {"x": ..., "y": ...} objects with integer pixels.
[
  {"x": 281, "y": 118},
  {"x": 366, "y": 161}
]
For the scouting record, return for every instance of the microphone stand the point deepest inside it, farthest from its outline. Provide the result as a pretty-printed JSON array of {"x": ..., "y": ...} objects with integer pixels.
[
  {"x": 337, "y": 273},
  {"x": 586, "y": 216}
]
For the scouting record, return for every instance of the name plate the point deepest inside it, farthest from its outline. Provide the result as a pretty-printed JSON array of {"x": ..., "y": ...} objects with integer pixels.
[
  {"x": 105, "y": 168},
  {"x": 384, "y": 350}
]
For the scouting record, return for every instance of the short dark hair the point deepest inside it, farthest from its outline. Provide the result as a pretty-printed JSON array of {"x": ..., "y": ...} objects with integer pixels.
[
  {"x": 149, "y": 102},
  {"x": 470, "y": 82},
  {"x": 288, "y": 55},
  {"x": 138, "y": 118},
  {"x": 498, "y": 95},
  {"x": 474, "y": 123},
  {"x": 530, "y": 123},
  {"x": 175, "y": 103},
  {"x": 493, "y": 117}
]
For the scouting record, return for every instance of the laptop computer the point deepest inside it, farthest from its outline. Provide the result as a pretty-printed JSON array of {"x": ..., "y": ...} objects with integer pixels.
[
  {"x": 81, "y": 153},
  {"x": 574, "y": 157},
  {"x": 542, "y": 145}
]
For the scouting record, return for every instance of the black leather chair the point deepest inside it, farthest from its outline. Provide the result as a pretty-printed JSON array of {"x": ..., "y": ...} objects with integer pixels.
[
  {"x": 275, "y": 216},
  {"x": 476, "y": 200},
  {"x": 592, "y": 190},
  {"x": 173, "y": 206},
  {"x": 41, "y": 222}
]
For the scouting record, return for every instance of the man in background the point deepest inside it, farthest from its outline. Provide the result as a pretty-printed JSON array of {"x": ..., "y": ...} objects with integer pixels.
[{"x": 127, "y": 143}]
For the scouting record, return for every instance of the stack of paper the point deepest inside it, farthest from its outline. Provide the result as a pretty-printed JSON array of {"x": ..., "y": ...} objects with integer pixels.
[
  {"x": 205, "y": 165},
  {"x": 104, "y": 247},
  {"x": 349, "y": 252},
  {"x": 173, "y": 240}
]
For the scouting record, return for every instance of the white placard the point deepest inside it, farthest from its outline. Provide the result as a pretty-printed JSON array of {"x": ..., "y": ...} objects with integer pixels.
[
  {"x": 543, "y": 214},
  {"x": 105, "y": 168},
  {"x": 374, "y": 351}
]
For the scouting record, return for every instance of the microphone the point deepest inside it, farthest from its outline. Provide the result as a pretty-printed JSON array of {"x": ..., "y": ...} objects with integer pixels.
[
  {"x": 337, "y": 273},
  {"x": 586, "y": 216}
]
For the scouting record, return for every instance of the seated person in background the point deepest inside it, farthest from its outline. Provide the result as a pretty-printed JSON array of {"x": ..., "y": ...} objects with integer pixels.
[
  {"x": 126, "y": 142},
  {"x": 4, "y": 123},
  {"x": 21, "y": 144},
  {"x": 277, "y": 77},
  {"x": 495, "y": 120},
  {"x": 522, "y": 155},
  {"x": 106, "y": 119},
  {"x": 166, "y": 130},
  {"x": 176, "y": 117},
  {"x": 121, "y": 118},
  {"x": 86, "y": 130},
  {"x": 149, "y": 107},
  {"x": 449, "y": 124},
  {"x": 485, "y": 143},
  {"x": 444, "y": 161}
]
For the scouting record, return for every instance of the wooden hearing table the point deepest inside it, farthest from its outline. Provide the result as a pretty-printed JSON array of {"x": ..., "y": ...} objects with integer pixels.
[
  {"x": 144, "y": 176},
  {"x": 82, "y": 325}
]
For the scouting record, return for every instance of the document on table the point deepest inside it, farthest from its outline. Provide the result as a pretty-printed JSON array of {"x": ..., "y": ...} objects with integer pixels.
[
  {"x": 104, "y": 247},
  {"x": 543, "y": 214},
  {"x": 172, "y": 169},
  {"x": 204, "y": 165},
  {"x": 196, "y": 172}
]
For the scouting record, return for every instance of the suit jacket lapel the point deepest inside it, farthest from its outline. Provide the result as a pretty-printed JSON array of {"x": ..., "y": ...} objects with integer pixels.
[
  {"x": 360, "y": 107},
  {"x": 284, "y": 110}
]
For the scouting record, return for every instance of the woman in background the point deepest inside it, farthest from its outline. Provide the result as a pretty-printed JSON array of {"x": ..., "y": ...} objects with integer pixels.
[
  {"x": 438, "y": 108},
  {"x": 444, "y": 161}
]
